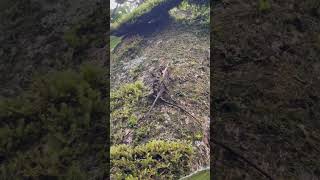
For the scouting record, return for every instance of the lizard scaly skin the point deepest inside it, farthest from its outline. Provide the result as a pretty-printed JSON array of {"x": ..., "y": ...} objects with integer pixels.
[{"x": 165, "y": 76}]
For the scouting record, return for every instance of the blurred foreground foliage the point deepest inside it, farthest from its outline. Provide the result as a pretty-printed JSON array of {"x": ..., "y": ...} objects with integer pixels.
[
  {"x": 124, "y": 105},
  {"x": 57, "y": 128}
]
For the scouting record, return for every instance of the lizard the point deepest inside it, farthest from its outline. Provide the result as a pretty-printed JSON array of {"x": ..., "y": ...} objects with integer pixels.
[{"x": 162, "y": 87}]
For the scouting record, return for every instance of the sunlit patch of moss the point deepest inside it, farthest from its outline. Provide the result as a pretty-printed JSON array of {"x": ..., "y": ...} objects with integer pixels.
[
  {"x": 114, "y": 41},
  {"x": 131, "y": 17},
  {"x": 198, "y": 136},
  {"x": 133, "y": 120},
  {"x": 189, "y": 13},
  {"x": 201, "y": 175},
  {"x": 127, "y": 95},
  {"x": 157, "y": 158},
  {"x": 141, "y": 134},
  {"x": 124, "y": 105}
]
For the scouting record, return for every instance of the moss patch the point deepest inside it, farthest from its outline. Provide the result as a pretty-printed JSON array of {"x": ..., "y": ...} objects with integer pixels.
[
  {"x": 201, "y": 175},
  {"x": 188, "y": 13},
  {"x": 264, "y": 6},
  {"x": 114, "y": 41},
  {"x": 137, "y": 12},
  {"x": 49, "y": 130},
  {"x": 124, "y": 105},
  {"x": 156, "y": 159},
  {"x": 129, "y": 49}
]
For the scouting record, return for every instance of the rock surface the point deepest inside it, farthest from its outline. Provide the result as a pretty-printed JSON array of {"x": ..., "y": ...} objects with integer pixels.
[{"x": 187, "y": 49}]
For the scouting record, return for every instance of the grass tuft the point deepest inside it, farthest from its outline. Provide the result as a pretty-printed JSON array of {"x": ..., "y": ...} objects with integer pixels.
[
  {"x": 155, "y": 159},
  {"x": 137, "y": 12}
]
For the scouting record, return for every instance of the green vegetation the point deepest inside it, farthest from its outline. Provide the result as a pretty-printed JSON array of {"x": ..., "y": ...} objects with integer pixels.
[
  {"x": 137, "y": 12},
  {"x": 189, "y": 13},
  {"x": 120, "y": 11},
  {"x": 161, "y": 159},
  {"x": 73, "y": 39},
  {"x": 136, "y": 71},
  {"x": 87, "y": 33},
  {"x": 201, "y": 175},
  {"x": 124, "y": 104},
  {"x": 129, "y": 48},
  {"x": 114, "y": 41},
  {"x": 264, "y": 5},
  {"x": 198, "y": 136},
  {"x": 55, "y": 127}
]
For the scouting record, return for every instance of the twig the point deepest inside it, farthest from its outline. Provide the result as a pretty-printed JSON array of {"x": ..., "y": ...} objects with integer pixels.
[{"x": 184, "y": 110}]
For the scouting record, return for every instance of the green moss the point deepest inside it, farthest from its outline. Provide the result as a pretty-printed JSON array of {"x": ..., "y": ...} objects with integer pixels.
[
  {"x": 54, "y": 123},
  {"x": 131, "y": 17},
  {"x": 161, "y": 159},
  {"x": 88, "y": 32},
  {"x": 129, "y": 49},
  {"x": 264, "y": 5},
  {"x": 127, "y": 95},
  {"x": 133, "y": 120},
  {"x": 198, "y": 136},
  {"x": 124, "y": 105},
  {"x": 189, "y": 13},
  {"x": 201, "y": 175},
  {"x": 114, "y": 41},
  {"x": 141, "y": 134},
  {"x": 73, "y": 38}
]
